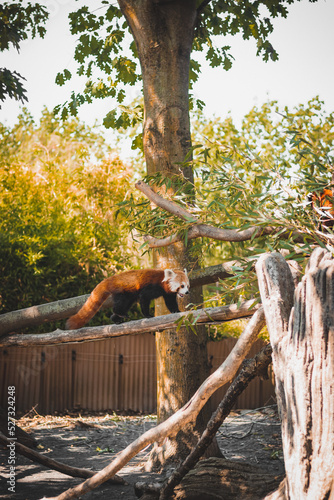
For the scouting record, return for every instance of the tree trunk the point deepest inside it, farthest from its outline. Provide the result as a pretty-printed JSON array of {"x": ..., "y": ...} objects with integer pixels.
[
  {"x": 163, "y": 32},
  {"x": 302, "y": 340}
]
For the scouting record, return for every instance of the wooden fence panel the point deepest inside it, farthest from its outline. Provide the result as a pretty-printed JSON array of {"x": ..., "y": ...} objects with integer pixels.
[
  {"x": 259, "y": 392},
  {"x": 113, "y": 374}
]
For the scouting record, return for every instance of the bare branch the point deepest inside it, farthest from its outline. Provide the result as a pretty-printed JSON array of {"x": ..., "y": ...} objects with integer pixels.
[
  {"x": 37, "y": 315},
  {"x": 251, "y": 368},
  {"x": 53, "y": 464},
  {"x": 168, "y": 321},
  {"x": 215, "y": 233},
  {"x": 187, "y": 414}
]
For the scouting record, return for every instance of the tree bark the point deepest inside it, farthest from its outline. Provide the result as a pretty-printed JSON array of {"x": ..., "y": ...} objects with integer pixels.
[
  {"x": 220, "y": 479},
  {"x": 302, "y": 339},
  {"x": 217, "y": 479},
  {"x": 163, "y": 32}
]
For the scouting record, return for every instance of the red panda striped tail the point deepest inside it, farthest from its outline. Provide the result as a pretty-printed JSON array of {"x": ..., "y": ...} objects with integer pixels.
[{"x": 94, "y": 302}]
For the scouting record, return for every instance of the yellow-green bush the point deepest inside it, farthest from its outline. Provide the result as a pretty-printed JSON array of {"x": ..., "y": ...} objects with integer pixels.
[{"x": 59, "y": 187}]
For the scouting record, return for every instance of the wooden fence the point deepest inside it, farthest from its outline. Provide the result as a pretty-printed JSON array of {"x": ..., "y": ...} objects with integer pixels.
[{"x": 113, "y": 374}]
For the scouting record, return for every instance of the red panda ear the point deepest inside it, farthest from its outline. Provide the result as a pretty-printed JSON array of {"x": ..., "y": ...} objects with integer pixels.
[
  {"x": 168, "y": 274},
  {"x": 185, "y": 272}
]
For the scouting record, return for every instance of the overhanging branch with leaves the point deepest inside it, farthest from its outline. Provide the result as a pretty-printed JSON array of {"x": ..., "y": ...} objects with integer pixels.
[{"x": 197, "y": 229}]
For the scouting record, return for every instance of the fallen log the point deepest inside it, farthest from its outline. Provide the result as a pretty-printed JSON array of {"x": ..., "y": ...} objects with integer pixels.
[{"x": 221, "y": 479}]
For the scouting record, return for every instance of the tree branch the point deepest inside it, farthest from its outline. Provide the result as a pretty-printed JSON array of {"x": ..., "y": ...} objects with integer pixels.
[
  {"x": 202, "y": 5},
  {"x": 207, "y": 316},
  {"x": 200, "y": 230},
  {"x": 252, "y": 368},
  {"x": 53, "y": 464},
  {"x": 215, "y": 233},
  {"x": 37, "y": 315},
  {"x": 168, "y": 205},
  {"x": 187, "y": 414},
  {"x": 62, "y": 309}
]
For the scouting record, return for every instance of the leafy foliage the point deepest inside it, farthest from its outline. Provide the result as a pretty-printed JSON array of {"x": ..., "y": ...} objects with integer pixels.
[
  {"x": 257, "y": 176},
  {"x": 104, "y": 45},
  {"x": 106, "y": 52},
  {"x": 18, "y": 21},
  {"x": 253, "y": 19},
  {"x": 59, "y": 236}
]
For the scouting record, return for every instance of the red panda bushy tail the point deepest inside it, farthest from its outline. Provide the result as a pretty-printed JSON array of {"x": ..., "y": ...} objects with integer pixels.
[{"x": 94, "y": 302}]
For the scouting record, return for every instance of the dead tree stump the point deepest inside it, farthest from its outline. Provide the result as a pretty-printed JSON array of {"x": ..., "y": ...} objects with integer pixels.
[{"x": 302, "y": 337}]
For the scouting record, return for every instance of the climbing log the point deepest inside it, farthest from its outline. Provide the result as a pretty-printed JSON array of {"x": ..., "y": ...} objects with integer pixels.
[{"x": 209, "y": 315}]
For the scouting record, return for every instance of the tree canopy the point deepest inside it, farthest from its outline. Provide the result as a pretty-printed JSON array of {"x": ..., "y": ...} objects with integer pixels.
[{"x": 107, "y": 54}]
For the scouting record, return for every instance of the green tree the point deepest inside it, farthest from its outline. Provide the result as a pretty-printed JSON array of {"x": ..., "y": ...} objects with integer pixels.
[
  {"x": 164, "y": 35},
  {"x": 18, "y": 21}
]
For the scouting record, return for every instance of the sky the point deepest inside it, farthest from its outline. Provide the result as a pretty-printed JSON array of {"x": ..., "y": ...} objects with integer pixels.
[{"x": 304, "y": 41}]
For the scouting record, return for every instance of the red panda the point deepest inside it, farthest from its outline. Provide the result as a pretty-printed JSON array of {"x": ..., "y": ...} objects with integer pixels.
[
  {"x": 133, "y": 286},
  {"x": 323, "y": 204}
]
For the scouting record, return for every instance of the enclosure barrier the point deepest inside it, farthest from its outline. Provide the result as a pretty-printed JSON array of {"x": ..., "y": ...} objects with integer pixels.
[{"x": 113, "y": 374}]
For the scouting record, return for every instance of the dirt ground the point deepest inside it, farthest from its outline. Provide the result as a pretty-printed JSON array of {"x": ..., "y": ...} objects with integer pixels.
[{"x": 92, "y": 441}]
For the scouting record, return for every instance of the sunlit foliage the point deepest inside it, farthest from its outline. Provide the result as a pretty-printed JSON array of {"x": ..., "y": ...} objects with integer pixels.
[{"x": 59, "y": 189}]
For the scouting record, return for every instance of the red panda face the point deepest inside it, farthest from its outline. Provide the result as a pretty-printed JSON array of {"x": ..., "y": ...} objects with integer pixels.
[
  {"x": 322, "y": 204},
  {"x": 177, "y": 282}
]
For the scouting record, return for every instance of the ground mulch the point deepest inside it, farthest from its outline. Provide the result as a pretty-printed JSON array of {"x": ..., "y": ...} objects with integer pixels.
[{"x": 92, "y": 441}]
